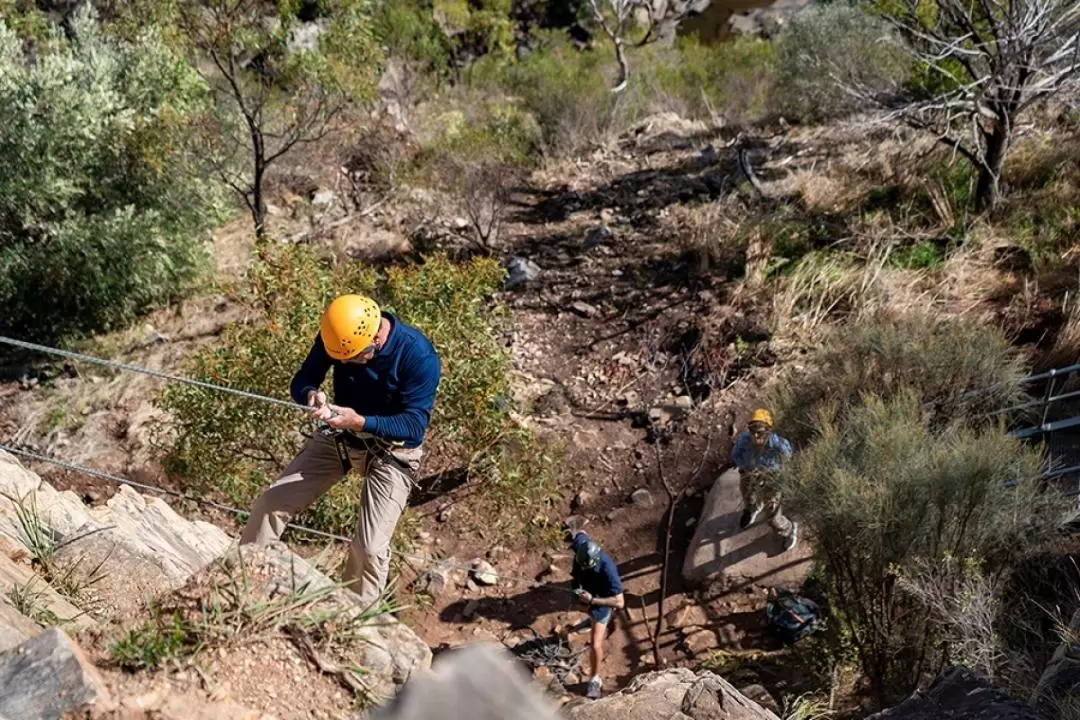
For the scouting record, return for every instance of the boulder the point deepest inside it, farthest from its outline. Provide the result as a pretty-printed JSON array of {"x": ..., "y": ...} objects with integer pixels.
[
  {"x": 678, "y": 694},
  {"x": 133, "y": 547},
  {"x": 47, "y": 676},
  {"x": 720, "y": 549},
  {"x": 959, "y": 694},
  {"x": 480, "y": 682}
]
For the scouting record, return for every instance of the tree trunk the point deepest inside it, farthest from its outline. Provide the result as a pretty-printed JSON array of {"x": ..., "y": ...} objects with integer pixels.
[
  {"x": 258, "y": 207},
  {"x": 988, "y": 189},
  {"x": 258, "y": 156}
]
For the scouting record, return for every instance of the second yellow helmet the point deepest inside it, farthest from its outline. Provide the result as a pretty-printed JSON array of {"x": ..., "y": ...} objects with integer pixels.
[
  {"x": 761, "y": 415},
  {"x": 349, "y": 325}
]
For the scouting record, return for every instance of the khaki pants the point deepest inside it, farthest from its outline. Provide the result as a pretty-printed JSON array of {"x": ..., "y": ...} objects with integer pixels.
[
  {"x": 314, "y": 471},
  {"x": 760, "y": 494}
]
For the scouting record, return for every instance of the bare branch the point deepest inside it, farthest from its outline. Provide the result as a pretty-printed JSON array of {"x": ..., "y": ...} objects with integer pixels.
[{"x": 1014, "y": 53}]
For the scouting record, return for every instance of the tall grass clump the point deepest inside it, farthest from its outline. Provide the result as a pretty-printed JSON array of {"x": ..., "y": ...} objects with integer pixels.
[{"x": 939, "y": 360}]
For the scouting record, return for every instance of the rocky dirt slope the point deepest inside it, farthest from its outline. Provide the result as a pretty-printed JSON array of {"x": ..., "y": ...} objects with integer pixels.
[{"x": 276, "y": 634}]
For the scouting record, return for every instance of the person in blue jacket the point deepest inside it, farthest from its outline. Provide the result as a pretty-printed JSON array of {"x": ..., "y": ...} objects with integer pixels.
[
  {"x": 595, "y": 579},
  {"x": 386, "y": 375},
  {"x": 759, "y": 453}
]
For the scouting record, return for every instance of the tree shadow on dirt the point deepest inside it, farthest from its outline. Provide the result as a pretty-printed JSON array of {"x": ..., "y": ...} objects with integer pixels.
[
  {"x": 640, "y": 194},
  {"x": 437, "y": 485}
]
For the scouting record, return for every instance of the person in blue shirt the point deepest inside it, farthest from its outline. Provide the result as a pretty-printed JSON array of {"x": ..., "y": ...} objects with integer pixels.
[
  {"x": 595, "y": 578},
  {"x": 386, "y": 375},
  {"x": 759, "y": 453}
]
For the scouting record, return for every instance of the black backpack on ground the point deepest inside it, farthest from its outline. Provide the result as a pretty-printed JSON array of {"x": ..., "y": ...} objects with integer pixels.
[{"x": 791, "y": 616}]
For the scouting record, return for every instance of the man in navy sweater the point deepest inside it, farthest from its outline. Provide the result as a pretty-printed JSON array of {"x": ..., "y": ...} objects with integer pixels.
[
  {"x": 386, "y": 375},
  {"x": 597, "y": 583}
]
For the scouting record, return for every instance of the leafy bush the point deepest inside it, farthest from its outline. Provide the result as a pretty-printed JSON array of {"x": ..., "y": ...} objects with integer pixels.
[
  {"x": 829, "y": 56},
  {"x": 731, "y": 79},
  {"x": 567, "y": 91},
  {"x": 938, "y": 359},
  {"x": 883, "y": 494},
  {"x": 234, "y": 446},
  {"x": 103, "y": 211}
]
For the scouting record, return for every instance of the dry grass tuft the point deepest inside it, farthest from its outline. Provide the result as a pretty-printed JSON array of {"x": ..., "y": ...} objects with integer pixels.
[
  {"x": 828, "y": 287},
  {"x": 1066, "y": 347},
  {"x": 712, "y": 232}
]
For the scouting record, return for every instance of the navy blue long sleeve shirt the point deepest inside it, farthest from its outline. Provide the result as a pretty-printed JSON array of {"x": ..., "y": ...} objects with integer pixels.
[{"x": 394, "y": 391}]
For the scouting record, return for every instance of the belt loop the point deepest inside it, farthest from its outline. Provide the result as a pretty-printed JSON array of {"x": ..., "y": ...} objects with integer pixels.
[{"x": 343, "y": 454}]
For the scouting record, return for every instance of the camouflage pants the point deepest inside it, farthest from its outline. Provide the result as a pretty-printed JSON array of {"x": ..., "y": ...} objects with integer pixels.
[{"x": 760, "y": 494}]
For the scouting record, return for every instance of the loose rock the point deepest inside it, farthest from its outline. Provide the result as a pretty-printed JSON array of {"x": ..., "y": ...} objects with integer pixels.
[
  {"x": 597, "y": 236},
  {"x": 584, "y": 309},
  {"x": 642, "y": 498},
  {"x": 521, "y": 270},
  {"x": 46, "y": 677},
  {"x": 583, "y": 498},
  {"x": 484, "y": 573}
]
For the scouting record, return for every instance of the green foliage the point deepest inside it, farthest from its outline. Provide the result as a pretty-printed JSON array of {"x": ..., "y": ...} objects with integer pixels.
[
  {"x": 568, "y": 91},
  {"x": 938, "y": 359},
  {"x": 409, "y": 32},
  {"x": 277, "y": 82},
  {"x": 734, "y": 79},
  {"x": 479, "y": 27},
  {"x": 484, "y": 132},
  {"x": 827, "y": 48},
  {"x": 883, "y": 493},
  {"x": 103, "y": 212},
  {"x": 234, "y": 446},
  {"x": 920, "y": 255},
  {"x": 153, "y": 643},
  {"x": 26, "y": 20}
]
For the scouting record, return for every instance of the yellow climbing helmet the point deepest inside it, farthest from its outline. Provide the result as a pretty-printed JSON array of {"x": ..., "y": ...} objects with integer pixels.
[
  {"x": 761, "y": 415},
  {"x": 349, "y": 325}
]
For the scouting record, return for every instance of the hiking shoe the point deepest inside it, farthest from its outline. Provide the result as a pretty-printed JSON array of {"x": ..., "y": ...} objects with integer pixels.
[
  {"x": 792, "y": 538},
  {"x": 594, "y": 689},
  {"x": 748, "y": 517}
]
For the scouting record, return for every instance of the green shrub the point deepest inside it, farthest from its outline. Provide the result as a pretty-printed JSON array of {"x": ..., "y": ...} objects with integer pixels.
[
  {"x": 826, "y": 52},
  {"x": 483, "y": 132},
  {"x": 567, "y": 91},
  {"x": 731, "y": 79},
  {"x": 937, "y": 358},
  {"x": 103, "y": 212},
  {"x": 883, "y": 494},
  {"x": 233, "y": 446}
]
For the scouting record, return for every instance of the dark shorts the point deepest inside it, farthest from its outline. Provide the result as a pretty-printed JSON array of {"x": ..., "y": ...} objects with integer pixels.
[{"x": 600, "y": 615}]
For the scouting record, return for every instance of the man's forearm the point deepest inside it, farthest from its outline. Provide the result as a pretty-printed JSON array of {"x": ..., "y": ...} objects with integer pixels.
[{"x": 613, "y": 602}]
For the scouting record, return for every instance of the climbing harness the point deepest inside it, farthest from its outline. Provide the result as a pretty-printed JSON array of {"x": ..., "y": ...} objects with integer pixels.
[{"x": 368, "y": 443}]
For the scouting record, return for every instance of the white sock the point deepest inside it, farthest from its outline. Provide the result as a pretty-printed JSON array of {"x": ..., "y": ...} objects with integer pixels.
[{"x": 595, "y": 678}]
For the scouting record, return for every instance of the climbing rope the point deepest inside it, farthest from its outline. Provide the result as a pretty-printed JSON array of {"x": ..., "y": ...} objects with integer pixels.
[
  {"x": 152, "y": 373},
  {"x": 23, "y": 451}
]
